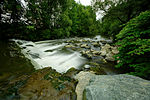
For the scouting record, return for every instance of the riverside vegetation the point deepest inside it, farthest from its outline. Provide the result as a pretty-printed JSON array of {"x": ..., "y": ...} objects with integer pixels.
[{"x": 126, "y": 22}]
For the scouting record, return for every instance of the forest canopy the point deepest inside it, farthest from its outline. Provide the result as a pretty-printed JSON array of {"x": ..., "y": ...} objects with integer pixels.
[{"x": 46, "y": 19}]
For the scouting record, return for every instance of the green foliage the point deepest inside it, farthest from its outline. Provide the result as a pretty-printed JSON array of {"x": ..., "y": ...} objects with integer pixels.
[
  {"x": 116, "y": 13},
  {"x": 134, "y": 46},
  {"x": 47, "y": 19}
]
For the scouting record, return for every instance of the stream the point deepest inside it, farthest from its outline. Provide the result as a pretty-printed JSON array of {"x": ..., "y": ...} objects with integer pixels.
[{"x": 63, "y": 54}]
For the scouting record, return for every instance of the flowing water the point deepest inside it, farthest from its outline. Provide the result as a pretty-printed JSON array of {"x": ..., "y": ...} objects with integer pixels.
[
  {"x": 19, "y": 59},
  {"x": 48, "y": 53},
  {"x": 53, "y": 53}
]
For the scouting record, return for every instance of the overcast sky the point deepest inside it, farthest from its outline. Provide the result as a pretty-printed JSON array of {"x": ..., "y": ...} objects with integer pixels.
[
  {"x": 84, "y": 2},
  {"x": 88, "y": 2}
]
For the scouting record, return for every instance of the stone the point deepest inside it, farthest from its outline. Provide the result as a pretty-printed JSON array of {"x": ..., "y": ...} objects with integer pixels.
[
  {"x": 96, "y": 52},
  {"x": 83, "y": 80},
  {"x": 87, "y": 52},
  {"x": 115, "y": 50},
  {"x": 103, "y": 52},
  {"x": 83, "y": 52},
  {"x": 114, "y": 87},
  {"x": 87, "y": 66},
  {"x": 109, "y": 56},
  {"x": 107, "y": 46},
  {"x": 47, "y": 84},
  {"x": 109, "y": 52},
  {"x": 85, "y": 46},
  {"x": 95, "y": 44},
  {"x": 103, "y": 41},
  {"x": 69, "y": 46}
]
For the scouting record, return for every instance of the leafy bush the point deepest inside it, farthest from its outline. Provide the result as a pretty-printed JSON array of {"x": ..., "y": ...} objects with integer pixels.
[{"x": 134, "y": 46}]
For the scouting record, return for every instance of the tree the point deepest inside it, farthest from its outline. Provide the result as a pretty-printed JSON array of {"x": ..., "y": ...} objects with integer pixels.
[
  {"x": 11, "y": 13},
  {"x": 134, "y": 46},
  {"x": 118, "y": 12}
]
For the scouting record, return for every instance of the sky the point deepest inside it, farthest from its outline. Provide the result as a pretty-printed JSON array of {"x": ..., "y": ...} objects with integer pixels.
[{"x": 84, "y": 2}]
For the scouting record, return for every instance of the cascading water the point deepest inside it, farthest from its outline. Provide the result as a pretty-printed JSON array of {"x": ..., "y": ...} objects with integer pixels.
[
  {"x": 51, "y": 53},
  {"x": 55, "y": 54}
]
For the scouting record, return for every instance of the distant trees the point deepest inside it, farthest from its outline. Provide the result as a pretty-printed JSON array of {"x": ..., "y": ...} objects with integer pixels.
[
  {"x": 47, "y": 19},
  {"x": 116, "y": 13}
]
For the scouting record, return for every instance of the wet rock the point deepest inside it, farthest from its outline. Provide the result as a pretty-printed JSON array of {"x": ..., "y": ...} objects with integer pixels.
[
  {"x": 93, "y": 64},
  {"x": 19, "y": 42},
  {"x": 104, "y": 60},
  {"x": 87, "y": 66},
  {"x": 85, "y": 40},
  {"x": 71, "y": 72},
  {"x": 96, "y": 52},
  {"x": 24, "y": 47},
  {"x": 94, "y": 68},
  {"x": 30, "y": 45},
  {"x": 85, "y": 46},
  {"x": 69, "y": 46},
  {"x": 48, "y": 51},
  {"x": 89, "y": 56},
  {"x": 103, "y": 41},
  {"x": 115, "y": 50},
  {"x": 107, "y": 46},
  {"x": 95, "y": 44},
  {"x": 103, "y": 52},
  {"x": 47, "y": 84},
  {"x": 83, "y": 52},
  {"x": 109, "y": 56},
  {"x": 116, "y": 87},
  {"x": 108, "y": 52}
]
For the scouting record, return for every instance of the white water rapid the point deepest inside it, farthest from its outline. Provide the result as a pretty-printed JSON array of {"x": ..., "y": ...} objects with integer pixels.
[{"x": 52, "y": 53}]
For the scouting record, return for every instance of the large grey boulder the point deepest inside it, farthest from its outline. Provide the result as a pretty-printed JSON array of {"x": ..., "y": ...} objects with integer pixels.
[{"x": 117, "y": 87}]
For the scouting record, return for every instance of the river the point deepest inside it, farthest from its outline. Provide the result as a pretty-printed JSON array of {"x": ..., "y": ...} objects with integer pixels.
[
  {"x": 20, "y": 58},
  {"x": 56, "y": 54}
]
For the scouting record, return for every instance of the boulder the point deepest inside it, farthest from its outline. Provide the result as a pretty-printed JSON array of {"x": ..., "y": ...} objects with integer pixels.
[
  {"x": 115, "y": 50},
  {"x": 109, "y": 56},
  {"x": 95, "y": 44},
  {"x": 96, "y": 52},
  {"x": 87, "y": 66},
  {"x": 105, "y": 49},
  {"x": 114, "y": 87},
  {"x": 109, "y": 51},
  {"x": 103, "y": 52},
  {"x": 47, "y": 84},
  {"x": 85, "y": 46},
  {"x": 83, "y": 80},
  {"x": 69, "y": 46}
]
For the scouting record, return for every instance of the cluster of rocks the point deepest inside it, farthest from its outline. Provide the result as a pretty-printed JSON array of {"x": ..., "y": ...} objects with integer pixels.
[
  {"x": 108, "y": 52},
  {"x": 90, "y": 49}
]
